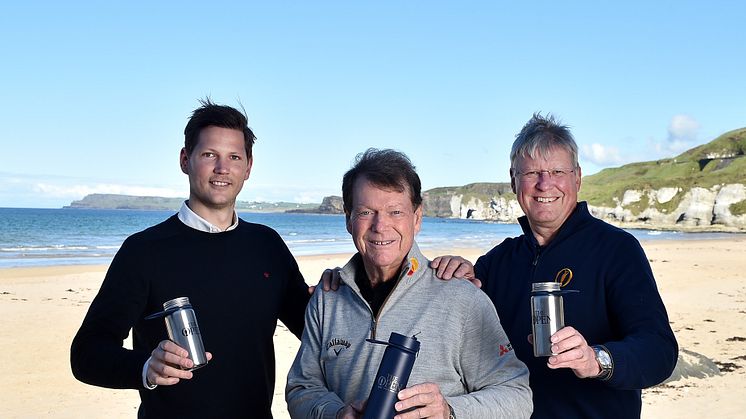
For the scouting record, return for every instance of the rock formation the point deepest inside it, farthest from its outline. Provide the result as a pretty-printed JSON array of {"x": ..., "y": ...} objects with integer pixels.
[{"x": 698, "y": 208}]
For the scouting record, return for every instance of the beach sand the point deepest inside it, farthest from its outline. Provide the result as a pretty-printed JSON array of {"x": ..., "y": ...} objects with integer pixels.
[{"x": 702, "y": 284}]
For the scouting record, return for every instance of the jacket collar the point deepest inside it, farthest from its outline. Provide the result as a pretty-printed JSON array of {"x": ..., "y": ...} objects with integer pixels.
[
  {"x": 579, "y": 216},
  {"x": 413, "y": 268}
]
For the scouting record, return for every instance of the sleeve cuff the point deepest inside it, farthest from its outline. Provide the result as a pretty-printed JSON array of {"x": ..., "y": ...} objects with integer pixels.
[{"x": 145, "y": 382}]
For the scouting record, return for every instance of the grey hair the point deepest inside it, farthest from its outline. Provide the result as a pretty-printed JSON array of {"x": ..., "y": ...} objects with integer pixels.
[{"x": 539, "y": 136}]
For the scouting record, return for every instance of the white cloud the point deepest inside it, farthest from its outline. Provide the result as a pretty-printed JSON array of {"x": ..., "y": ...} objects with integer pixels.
[
  {"x": 683, "y": 131},
  {"x": 600, "y": 154},
  {"x": 683, "y": 128}
]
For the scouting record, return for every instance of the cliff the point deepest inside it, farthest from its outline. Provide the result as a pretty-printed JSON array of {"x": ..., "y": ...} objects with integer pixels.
[
  {"x": 479, "y": 201},
  {"x": 329, "y": 205},
  {"x": 701, "y": 189}
]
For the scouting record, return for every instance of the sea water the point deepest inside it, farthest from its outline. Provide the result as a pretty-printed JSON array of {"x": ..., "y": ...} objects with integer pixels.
[{"x": 43, "y": 237}]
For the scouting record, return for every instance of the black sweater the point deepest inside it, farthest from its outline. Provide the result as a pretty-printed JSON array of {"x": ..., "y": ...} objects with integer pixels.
[{"x": 239, "y": 283}]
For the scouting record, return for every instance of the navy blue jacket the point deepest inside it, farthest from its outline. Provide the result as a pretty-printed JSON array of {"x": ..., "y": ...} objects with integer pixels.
[{"x": 618, "y": 306}]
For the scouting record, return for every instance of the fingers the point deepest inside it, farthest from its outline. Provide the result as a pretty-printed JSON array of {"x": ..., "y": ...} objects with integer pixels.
[
  {"x": 477, "y": 283},
  {"x": 440, "y": 264},
  {"x": 353, "y": 410},
  {"x": 464, "y": 270},
  {"x": 435, "y": 262},
  {"x": 447, "y": 267},
  {"x": 336, "y": 278},
  {"x": 326, "y": 279},
  {"x": 330, "y": 279},
  {"x": 572, "y": 351},
  {"x": 427, "y": 399},
  {"x": 563, "y": 333},
  {"x": 166, "y": 363},
  {"x": 311, "y": 289},
  {"x": 171, "y": 353}
]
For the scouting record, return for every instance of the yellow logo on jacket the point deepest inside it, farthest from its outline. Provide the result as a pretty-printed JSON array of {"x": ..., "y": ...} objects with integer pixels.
[
  {"x": 413, "y": 265},
  {"x": 564, "y": 276}
]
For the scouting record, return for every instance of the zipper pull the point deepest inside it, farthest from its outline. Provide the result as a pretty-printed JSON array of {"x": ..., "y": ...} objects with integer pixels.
[{"x": 536, "y": 256}]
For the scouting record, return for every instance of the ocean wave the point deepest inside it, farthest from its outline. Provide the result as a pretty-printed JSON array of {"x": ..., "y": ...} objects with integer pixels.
[
  {"x": 43, "y": 248},
  {"x": 312, "y": 241}
]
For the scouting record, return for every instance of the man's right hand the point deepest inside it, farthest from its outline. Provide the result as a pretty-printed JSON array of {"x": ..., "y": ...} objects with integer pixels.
[
  {"x": 330, "y": 279},
  {"x": 353, "y": 410},
  {"x": 166, "y": 363}
]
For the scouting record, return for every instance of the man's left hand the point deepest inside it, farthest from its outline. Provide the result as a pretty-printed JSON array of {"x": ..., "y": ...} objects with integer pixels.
[
  {"x": 427, "y": 399},
  {"x": 447, "y": 267},
  {"x": 572, "y": 351}
]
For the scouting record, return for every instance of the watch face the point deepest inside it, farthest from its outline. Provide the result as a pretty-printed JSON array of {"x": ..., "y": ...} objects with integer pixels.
[{"x": 603, "y": 358}]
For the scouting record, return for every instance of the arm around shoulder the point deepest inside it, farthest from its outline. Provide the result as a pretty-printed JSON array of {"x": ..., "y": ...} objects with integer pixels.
[{"x": 306, "y": 393}]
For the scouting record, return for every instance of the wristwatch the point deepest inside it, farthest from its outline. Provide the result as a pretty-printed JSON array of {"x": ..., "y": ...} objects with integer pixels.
[{"x": 603, "y": 357}]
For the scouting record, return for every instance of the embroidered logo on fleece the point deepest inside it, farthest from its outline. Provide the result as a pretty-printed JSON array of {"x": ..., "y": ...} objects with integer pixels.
[
  {"x": 504, "y": 349},
  {"x": 337, "y": 345},
  {"x": 564, "y": 276},
  {"x": 414, "y": 264}
]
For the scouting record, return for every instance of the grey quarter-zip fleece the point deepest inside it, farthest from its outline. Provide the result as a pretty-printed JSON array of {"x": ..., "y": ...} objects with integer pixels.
[{"x": 463, "y": 346}]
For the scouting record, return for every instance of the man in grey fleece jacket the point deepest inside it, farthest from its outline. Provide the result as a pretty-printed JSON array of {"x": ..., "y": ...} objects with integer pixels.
[{"x": 465, "y": 368}]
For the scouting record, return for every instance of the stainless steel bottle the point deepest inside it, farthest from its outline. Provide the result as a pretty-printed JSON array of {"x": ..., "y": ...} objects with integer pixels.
[
  {"x": 547, "y": 315},
  {"x": 393, "y": 374},
  {"x": 181, "y": 324}
]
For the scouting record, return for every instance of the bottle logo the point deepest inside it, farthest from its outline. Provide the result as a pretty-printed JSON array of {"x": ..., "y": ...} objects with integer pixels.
[
  {"x": 541, "y": 317},
  {"x": 389, "y": 383},
  {"x": 191, "y": 329}
]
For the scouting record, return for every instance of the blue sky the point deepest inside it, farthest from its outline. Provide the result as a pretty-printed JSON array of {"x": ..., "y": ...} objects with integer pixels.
[{"x": 96, "y": 94}]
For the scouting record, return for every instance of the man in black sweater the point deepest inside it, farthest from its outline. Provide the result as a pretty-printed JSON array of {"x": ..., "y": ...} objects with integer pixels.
[{"x": 240, "y": 278}]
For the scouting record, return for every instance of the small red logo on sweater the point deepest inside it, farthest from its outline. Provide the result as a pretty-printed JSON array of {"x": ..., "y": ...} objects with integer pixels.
[
  {"x": 504, "y": 349},
  {"x": 266, "y": 274}
]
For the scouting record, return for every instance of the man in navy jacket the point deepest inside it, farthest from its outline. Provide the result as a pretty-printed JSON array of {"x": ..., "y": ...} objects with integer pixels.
[{"x": 618, "y": 339}]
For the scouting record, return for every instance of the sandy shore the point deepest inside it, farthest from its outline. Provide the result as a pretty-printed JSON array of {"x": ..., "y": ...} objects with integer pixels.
[{"x": 702, "y": 284}]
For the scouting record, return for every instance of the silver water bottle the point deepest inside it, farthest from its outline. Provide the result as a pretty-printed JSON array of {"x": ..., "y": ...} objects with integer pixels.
[
  {"x": 181, "y": 324},
  {"x": 547, "y": 315}
]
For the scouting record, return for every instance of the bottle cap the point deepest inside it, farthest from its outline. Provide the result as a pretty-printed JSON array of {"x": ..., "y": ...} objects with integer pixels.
[
  {"x": 409, "y": 344},
  {"x": 176, "y": 302},
  {"x": 545, "y": 286}
]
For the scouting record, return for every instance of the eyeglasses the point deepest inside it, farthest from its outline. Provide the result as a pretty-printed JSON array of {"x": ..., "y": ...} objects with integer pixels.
[{"x": 530, "y": 175}]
